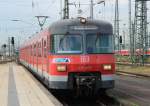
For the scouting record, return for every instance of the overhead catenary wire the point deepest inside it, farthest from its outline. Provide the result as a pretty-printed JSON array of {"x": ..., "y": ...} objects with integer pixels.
[
  {"x": 35, "y": 7},
  {"x": 50, "y": 5}
]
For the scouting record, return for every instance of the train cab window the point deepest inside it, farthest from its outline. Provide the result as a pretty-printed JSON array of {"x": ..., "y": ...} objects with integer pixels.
[
  {"x": 99, "y": 43},
  {"x": 67, "y": 44}
]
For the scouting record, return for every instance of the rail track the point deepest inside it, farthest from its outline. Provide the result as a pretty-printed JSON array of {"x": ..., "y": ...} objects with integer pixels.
[
  {"x": 132, "y": 74},
  {"x": 67, "y": 99}
]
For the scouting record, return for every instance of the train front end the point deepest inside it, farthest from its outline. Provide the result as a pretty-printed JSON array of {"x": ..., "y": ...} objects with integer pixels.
[{"x": 82, "y": 56}]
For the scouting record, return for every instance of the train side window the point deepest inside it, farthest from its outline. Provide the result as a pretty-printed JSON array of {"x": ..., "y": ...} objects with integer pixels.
[
  {"x": 39, "y": 49},
  {"x": 45, "y": 48},
  {"x": 30, "y": 50},
  {"x": 35, "y": 50},
  {"x": 42, "y": 46},
  {"x": 38, "y": 46},
  {"x": 27, "y": 51}
]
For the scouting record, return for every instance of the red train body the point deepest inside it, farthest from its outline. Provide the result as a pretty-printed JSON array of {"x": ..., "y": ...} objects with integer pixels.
[
  {"x": 126, "y": 52},
  {"x": 72, "y": 53}
]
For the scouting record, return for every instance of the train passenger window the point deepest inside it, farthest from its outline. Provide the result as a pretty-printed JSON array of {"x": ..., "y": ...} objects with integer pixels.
[
  {"x": 31, "y": 50},
  {"x": 67, "y": 44},
  {"x": 38, "y": 46},
  {"x": 39, "y": 49},
  {"x": 35, "y": 50},
  {"x": 99, "y": 43},
  {"x": 45, "y": 53}
]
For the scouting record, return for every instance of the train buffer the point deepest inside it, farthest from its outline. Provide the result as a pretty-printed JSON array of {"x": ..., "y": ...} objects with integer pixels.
[{"x": 19, "y": 88}]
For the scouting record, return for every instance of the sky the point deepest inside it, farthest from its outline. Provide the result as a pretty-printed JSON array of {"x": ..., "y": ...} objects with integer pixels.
[{"x": 26, "y": 10}]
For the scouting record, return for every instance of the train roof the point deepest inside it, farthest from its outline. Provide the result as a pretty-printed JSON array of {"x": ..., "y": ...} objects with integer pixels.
[{"x": 62, "y": 26}]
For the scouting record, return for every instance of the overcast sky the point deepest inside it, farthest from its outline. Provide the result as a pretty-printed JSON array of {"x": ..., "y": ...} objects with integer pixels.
[{"x": 26, "y": 10}]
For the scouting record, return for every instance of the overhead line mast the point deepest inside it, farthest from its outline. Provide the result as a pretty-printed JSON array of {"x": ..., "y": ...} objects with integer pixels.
[
  {"x": 131, "y": 34},
  {"x": 66, "y": 9},
  {"x": 140, "y": 32},
  {"x": 91, "y": 9},
  {"x": 116, "y": 27}
]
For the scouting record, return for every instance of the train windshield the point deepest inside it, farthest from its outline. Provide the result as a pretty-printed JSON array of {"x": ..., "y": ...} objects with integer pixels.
[
  {"x": 99, "y": 43},
  {"x": 67, "y": 44}
]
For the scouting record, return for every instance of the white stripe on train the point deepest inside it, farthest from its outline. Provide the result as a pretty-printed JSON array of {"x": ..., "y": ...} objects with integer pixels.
[
  {"x": 108, "y": 77},
  {"x": 65, "y": 78}
]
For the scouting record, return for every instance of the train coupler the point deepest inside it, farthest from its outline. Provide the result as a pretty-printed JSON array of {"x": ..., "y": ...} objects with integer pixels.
[{"x": 85, "y": 85}]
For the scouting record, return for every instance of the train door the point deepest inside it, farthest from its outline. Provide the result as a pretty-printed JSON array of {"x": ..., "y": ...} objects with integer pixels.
[
  {"x": 34, "y": 57},
  {"x": 38, "y": 46},
  {"x": 28, "y": 59},
  {"x": 42, "y": 53},
  {"x": 47, "y": 56},
  {"x": 30, "y": 48},
  {"x": 44, "y": 59},
  {"x": 32, "y": 54},
  {"x": 37, "y": 57},
  {"x": 26, "y": 49},
  {"x": 28, "y": 62}
]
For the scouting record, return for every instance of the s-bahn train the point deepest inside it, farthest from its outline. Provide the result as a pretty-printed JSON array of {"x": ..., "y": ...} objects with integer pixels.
[
  {"x": 126, "y": 52},
  {"x": 72, "y": 54}
]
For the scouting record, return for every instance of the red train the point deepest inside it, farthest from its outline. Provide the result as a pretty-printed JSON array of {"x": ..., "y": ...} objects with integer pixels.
[
  {"x": 123, "y": 52},
  {"x": 126, "y": 52},
  {"x": 72, "y": 54}
]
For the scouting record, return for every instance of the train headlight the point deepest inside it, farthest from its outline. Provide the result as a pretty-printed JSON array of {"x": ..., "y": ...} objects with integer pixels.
[
  {"x": 61, "y": 68},
  {"x": 107, "y": 67},
  {"x": 83, "y": 20}
]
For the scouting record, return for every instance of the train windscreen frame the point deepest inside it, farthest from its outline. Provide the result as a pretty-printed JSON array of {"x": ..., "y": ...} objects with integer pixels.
[
  {"x": 99, "y": 43},
  {"x": 67, "y": 44}
]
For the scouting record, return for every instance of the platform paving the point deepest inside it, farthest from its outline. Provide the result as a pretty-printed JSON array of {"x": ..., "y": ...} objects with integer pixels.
[{"x": 19, "y": 88}]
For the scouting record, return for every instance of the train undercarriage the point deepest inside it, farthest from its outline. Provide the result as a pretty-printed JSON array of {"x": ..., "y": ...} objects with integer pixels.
[{"x": 87, "y": 84}]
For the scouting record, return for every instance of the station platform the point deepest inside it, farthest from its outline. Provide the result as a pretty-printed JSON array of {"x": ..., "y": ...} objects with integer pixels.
[{"x": 19, "y": 88}]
